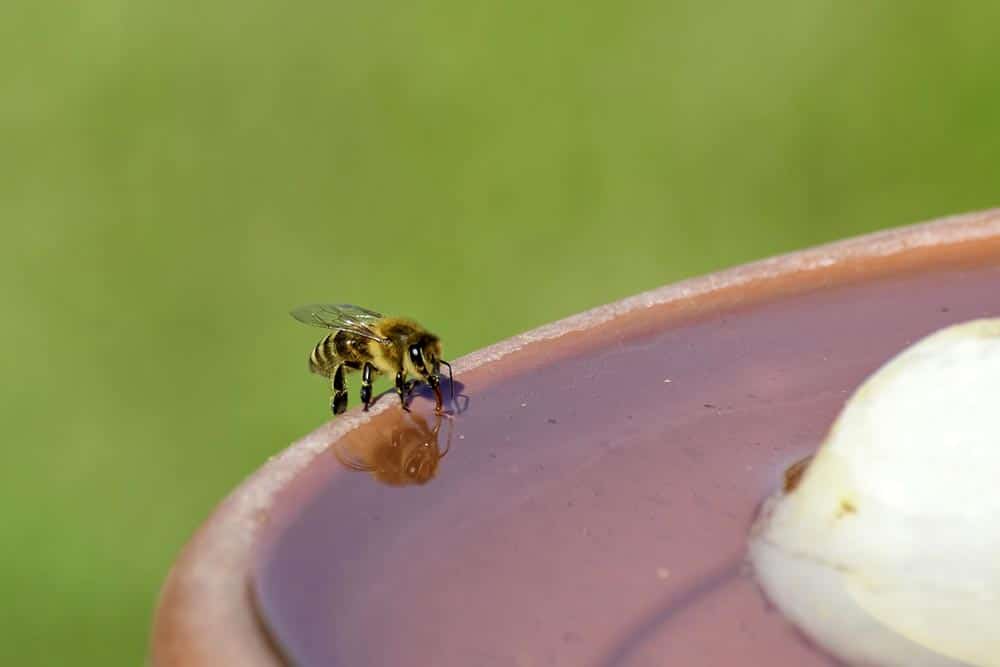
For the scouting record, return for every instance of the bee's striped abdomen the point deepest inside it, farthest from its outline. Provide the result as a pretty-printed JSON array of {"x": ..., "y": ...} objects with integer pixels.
[{"x": 322, "y": 360}]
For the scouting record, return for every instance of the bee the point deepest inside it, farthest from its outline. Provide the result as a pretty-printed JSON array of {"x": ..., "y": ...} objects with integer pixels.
[{"x": 366, "y": 341}]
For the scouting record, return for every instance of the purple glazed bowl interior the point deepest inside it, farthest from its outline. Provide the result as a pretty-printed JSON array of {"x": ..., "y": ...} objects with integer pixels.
[{"x": 597, "y": 487}]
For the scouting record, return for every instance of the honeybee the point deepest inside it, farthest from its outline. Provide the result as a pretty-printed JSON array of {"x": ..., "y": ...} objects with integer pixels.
[{"x": 367, "y": 341}]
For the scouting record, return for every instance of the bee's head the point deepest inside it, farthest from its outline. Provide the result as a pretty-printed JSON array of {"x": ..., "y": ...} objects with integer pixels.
[{"x": 423, "y": 358}]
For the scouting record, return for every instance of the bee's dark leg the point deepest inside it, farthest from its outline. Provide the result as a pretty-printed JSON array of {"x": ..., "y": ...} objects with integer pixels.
[
  {"x": 366, "y": 385},
  {"x": 401, "y": 388},
  {"x": 339, "y": 401}
]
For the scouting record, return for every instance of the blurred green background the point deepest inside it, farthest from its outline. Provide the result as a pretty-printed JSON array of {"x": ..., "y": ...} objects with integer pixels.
[{"x": 175, "y": 176}]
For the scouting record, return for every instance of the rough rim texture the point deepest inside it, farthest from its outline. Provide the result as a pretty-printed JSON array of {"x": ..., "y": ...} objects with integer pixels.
[{"x": 205, "y": 616}]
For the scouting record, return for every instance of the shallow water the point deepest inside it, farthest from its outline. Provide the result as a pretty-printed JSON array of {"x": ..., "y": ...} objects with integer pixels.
[{"x": 593, "y": 511}]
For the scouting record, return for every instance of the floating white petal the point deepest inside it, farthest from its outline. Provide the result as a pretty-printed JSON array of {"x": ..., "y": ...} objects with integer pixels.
[{"x": 888, "y": 550}]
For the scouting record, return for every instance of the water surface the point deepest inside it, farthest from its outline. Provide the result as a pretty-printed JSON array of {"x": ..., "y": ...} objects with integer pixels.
[{"x": 593, "y": 511}]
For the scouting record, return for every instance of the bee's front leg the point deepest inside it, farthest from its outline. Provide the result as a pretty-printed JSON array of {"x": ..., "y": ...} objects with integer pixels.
[
  {"x": 401, "y": 388},
  {"x": 366, "y": 385},
  {"x": 338, "y": 403}
]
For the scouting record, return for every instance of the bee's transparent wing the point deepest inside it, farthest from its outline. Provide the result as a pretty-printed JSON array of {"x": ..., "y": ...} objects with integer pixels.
[{"x": 340, "y": 317}]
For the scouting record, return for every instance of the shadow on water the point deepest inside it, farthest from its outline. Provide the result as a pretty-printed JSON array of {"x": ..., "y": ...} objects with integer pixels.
[{"x": 456, "y": 402}]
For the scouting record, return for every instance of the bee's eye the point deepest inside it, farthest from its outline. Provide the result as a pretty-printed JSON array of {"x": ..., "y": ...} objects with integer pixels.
[{"x": 416, "y": 356}]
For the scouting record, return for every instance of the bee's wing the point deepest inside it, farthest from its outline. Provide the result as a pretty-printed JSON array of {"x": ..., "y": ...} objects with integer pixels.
[{"x": 340, "y": 317}]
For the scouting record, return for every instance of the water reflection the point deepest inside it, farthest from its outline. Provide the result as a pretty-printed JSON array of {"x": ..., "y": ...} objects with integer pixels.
[
  {"x": 459, "y": 399},
  {"x": 404, "y": 452}
]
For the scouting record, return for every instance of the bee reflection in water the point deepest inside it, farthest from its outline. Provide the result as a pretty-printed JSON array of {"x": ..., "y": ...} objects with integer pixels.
[{"x": 406, "y": 453}]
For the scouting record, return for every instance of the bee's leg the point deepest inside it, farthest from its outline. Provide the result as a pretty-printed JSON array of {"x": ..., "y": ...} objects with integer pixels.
[
  {"x": 401, "y": 388},
  {"x": 366, "y": 385},
  {"x": 338, "y": 403}
]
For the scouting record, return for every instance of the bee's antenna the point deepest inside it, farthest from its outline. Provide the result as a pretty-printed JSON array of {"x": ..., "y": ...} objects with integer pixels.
[{"x": 451, "y": 379}]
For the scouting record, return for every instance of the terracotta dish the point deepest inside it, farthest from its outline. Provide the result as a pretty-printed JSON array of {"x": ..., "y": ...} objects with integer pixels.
[{"x": 597, "y": 484}]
